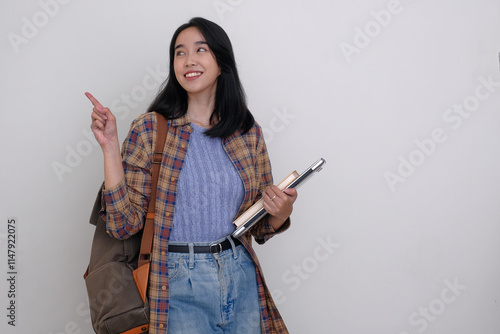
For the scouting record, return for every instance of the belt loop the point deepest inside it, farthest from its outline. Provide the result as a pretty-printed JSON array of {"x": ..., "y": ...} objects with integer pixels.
[
  {"x": 191, "y": 255},
  {"x": 232, "y": 246}
]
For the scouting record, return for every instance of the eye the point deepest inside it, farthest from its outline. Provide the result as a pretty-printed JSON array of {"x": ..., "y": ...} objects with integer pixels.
[
  {"x": 179, "y": 53},
  {"x": 202, "y": 49}
]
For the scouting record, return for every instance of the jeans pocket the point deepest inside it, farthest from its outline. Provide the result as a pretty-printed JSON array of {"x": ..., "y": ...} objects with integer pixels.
[
  {"x": 244, "y": 258},
  {"x": 175, "y": 268},
  {"x": 243, "y": 252}
]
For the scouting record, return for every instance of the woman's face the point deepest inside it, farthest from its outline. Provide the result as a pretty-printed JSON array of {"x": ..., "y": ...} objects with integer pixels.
[{"x": 195, "y": 66}]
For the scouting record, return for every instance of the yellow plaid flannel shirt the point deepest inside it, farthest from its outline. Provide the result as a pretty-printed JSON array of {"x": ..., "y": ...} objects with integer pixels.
[{"x": 125, "y": 205}]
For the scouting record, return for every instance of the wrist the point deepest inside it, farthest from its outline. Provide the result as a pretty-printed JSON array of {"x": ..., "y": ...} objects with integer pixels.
[
  {"x": 276, "y": 222},
  {"x": 111, "y": 149}
]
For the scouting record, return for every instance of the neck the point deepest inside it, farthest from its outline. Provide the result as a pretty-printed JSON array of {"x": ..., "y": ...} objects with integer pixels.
[{"x": 200, "y": 109}]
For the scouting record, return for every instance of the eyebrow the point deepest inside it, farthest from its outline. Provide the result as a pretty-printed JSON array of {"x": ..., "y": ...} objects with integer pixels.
[{"x": 197, "y": 43}]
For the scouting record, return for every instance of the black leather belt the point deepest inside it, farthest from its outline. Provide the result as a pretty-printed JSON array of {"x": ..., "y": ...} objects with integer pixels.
[{"x": 214, "y": 249}]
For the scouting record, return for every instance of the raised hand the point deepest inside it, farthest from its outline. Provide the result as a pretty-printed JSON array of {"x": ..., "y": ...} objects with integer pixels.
[
  {"x": 103, "y": 125},
  {"x": 104, "y": 128}
]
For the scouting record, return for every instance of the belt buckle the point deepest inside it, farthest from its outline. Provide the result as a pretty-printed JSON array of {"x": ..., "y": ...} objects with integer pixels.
[{"x": 216, "y": 251}]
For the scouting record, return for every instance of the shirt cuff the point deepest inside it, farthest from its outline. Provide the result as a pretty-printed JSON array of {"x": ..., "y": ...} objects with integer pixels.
[
  {"x": 115, "y": 199},
  {"x": 265, "y": 230}
]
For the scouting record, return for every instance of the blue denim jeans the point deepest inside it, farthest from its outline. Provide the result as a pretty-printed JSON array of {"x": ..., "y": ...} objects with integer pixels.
[{"x": 213, "y": 293}]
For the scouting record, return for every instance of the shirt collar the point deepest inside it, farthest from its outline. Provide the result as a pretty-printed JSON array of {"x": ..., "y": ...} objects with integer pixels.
[{"x": 181, "y": 121}]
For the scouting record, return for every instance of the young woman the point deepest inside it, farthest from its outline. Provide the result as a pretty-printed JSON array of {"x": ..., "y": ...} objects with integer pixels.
[{"x": 215, "y": 166}]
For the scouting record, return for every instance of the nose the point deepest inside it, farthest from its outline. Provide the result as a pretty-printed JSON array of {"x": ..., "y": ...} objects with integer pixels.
[{"x": 190, "y": 61}]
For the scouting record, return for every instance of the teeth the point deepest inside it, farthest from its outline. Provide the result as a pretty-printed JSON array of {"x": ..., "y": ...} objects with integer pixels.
[{"x": 192, "y": 74}]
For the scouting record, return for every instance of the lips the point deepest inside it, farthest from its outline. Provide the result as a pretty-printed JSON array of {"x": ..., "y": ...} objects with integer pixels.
[{"x": 192, "y": 75}]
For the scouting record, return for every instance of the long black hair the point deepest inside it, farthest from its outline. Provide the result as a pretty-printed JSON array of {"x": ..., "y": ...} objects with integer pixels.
[{"x": 230, "y": 111}]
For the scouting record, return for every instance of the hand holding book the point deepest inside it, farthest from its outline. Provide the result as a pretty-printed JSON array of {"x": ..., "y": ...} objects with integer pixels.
[
  {"x": 278, "y": 203},
  {"x": 269, "y": 195},
  {"x": 277, "y": 199}
]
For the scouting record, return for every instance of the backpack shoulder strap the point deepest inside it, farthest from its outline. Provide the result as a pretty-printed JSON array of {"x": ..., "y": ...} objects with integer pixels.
[{"x": 148, "y": 232}]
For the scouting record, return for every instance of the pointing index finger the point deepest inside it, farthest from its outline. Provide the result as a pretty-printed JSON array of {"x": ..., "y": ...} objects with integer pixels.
[{"x": 94, "y": 101}]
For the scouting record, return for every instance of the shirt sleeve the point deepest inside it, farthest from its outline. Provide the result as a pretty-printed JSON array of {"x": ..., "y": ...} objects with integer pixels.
[
  {"x": 125, "y": 205},
  {"x": 263, "y": 230}
]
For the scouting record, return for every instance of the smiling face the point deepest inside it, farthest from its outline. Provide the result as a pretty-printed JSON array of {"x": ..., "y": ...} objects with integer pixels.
[{"x": 195, "y": 65}]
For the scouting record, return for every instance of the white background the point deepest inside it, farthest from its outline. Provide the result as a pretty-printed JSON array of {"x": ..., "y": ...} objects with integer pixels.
[{"x": 394, "y": 251}]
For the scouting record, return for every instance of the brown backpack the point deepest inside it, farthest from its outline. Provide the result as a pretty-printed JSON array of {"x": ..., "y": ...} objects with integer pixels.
[{"x": 118, "y": 272}]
